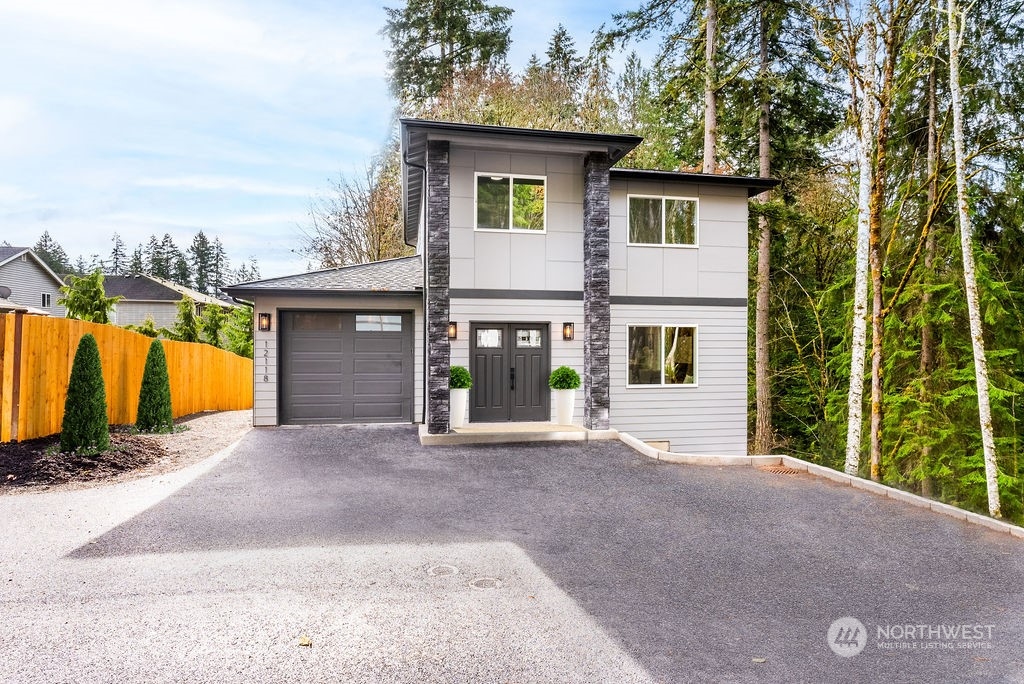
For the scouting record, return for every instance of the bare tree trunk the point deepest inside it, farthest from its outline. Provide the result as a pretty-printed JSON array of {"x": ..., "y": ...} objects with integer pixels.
[
  {"x": 762, "y": 387},
  {"x": 932, "y": 169},
  {"x": 855, "y": 408},
  {"x": 970, "y": 280},
  {"x": 711, "y": 88}
]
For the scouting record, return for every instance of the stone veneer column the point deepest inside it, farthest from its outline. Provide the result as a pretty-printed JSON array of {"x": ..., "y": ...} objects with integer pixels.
[
  {"x": 437, "y": 267},
  {"x": 596, "y": 297}
]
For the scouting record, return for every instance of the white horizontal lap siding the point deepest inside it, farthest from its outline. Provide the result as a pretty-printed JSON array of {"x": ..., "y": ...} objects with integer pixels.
[
  {"x": 265, "y": 365},
  {"x": 552, "y": 312},
  {"x": 710, "y": 418},
  {"x": 164, "y": 314}
]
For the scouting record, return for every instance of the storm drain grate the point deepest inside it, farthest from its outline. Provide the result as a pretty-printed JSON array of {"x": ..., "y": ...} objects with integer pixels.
[
  {"x": 780, "y": 470},
  {"x": 486, "y": 583}
]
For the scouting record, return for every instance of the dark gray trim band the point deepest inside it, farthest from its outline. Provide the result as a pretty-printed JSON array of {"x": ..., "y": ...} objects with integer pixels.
[
  {"x": 680, "y": 301},
  {"x": 562, "y": 295},
  {"x": 292, "y": 292}
]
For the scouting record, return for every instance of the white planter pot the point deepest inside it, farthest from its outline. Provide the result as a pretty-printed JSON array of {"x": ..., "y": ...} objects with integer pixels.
[
  {"x": 459, "y": 401},
  {"x": 565, "y": 403}
]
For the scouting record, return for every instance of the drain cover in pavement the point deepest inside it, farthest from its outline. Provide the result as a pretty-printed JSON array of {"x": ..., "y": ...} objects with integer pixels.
[
  {"x": 442, "y": 570},
  {"x": 486, "y": 583},
  {"x": 780, "y": 470}
]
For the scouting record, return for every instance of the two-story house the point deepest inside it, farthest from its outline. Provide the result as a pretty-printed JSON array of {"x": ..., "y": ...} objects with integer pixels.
[
  {"x": 32, "y": 283},
  {"x": 533, "y": 251}
]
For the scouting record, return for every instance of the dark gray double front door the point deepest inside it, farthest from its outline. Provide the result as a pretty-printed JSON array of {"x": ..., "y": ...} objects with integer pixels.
[
  {"x": 346, "y": 367},
  {"x": 510, "y": 363}
]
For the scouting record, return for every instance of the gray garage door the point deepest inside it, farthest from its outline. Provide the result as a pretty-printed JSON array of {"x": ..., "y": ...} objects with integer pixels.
[{"x": 346, "y": 367}]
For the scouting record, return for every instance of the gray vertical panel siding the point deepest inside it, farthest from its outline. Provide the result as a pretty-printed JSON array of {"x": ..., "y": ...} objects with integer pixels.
[
  {"x": 717, "y": 267},
  {"x": 552, "y": 260},
  {"x": 438, "y": 278},
  {"x": 710, "y": 418},
  {"x": 28, "y": 282}
]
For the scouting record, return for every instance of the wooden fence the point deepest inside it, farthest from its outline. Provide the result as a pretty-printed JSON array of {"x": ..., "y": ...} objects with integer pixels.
[{"x": 38, "y": 351}]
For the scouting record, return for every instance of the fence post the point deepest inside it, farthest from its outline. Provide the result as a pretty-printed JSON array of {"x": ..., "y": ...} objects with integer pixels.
[{"x": 16, "y": 375}]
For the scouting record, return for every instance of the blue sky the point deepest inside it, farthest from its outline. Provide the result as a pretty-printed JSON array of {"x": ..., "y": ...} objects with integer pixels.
[{"x": 148, "y": 116}]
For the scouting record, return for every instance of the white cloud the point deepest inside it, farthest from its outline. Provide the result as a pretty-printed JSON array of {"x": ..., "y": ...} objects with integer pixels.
[{"x": 222, "y": 183}]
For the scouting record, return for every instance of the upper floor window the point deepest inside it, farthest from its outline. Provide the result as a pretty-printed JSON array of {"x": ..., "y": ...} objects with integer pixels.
[
  {"x": 662, "y": 221},
  {"x": 45, "y": 303},
  {"x": 505, "y": 202}
]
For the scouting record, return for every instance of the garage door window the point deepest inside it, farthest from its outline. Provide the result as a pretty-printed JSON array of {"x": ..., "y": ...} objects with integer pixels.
[
  {"x": 378, "y": 323},
  {"x": 316, "y": 321}
]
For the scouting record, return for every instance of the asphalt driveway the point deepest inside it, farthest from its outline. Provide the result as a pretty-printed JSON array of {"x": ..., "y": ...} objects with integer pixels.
[{"x": 555, "y": 562}]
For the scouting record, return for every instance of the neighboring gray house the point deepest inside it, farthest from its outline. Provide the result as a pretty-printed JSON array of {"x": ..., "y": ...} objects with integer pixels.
[
  {"x": 521, "y": 234},
  {"x": 32, "y": 283},
  {"x": 152, "y": 297}
]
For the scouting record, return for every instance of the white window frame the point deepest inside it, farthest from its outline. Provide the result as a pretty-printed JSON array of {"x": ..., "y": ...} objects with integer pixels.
[
  {"x": 695, "y": 363},
  {"x": 46, "y": 300},
  {"x": 696, "y": 221},
  {"x": 512, "y": 179}
]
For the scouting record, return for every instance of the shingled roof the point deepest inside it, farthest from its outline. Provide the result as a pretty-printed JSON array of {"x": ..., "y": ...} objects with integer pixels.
[
  {"x": 403, "y": 275},
  {"x": 146, "y": 288}
]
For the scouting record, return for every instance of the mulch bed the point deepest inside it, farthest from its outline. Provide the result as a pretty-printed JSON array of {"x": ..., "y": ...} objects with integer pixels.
[{"x": 36, "y": 462}]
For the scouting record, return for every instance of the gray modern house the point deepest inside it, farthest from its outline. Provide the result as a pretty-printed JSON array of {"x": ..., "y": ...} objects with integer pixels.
[
  {"x": 32, "y": 283},
  {"x": 532, "y": 251}
]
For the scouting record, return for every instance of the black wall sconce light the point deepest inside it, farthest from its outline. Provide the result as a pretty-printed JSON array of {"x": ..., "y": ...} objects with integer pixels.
[
  {"x": 568, "y": 331},
  {"x": 453, "y": 330},
  {"x": 264, "y": 322}
]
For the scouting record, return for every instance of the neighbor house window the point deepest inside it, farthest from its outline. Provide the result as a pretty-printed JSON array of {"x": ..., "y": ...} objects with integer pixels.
[
  {"x": 662, "y": 221},
  {"x": 46, "y": 300},
  {"x": 505, "y": 202},
  {"x": 662, "y": 355}
]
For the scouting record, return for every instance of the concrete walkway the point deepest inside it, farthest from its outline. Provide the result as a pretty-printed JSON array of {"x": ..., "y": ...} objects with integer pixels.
[{"x": 565, "y": 562}]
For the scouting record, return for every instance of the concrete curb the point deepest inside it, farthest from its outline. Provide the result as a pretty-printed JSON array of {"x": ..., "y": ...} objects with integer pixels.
[
  {"x": 828, "y": 474},
  {"x": 456, "y": 438}
]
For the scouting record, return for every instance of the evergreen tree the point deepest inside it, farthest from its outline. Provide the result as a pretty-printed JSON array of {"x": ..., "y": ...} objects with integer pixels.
[
  {"x": 85, "y": 299},
  {"x": 47, "y": 249},
  {"x": 239, "y": 331},
  {"x": 85, "y": 424},
  {"x": 147, "y": 327},
  {"x": 181, "y": 274},
  {"x": 156, "y": 262},
  {"x": 118, "y": 257},
  {"x": 212, "y": 324},
  {"x": 247, "y": 272},
  {"x": 155, "y": 414},
  {"x": 186, "y": 327},
  {"x": 563, "y": 60},
  {"x": 200, "y": 257},
  {"x": 220, "y": 266},
  {"x": 137, "y": 265},
  {"x": 430, "y": 41}
]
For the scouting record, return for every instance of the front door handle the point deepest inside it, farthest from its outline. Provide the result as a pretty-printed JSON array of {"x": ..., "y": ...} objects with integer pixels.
[{"x": 512, "y": 377}]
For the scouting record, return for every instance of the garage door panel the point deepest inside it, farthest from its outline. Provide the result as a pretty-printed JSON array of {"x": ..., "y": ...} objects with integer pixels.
[
  {"x": 376, "y": 411},
  {"x": 377, "y": 366},
  {"x": 386, "y": 343},
  {"x": 333, "y": 373},
  {"x": 375, "y": 388}
]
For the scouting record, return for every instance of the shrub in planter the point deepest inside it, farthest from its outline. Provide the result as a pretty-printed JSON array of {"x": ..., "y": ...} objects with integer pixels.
[
  {"x": 154, "y": 414},
  {"x": 459, "y": 378},
  {"x": 85, "y": 423},
  {"x": 564, "y": 378}
]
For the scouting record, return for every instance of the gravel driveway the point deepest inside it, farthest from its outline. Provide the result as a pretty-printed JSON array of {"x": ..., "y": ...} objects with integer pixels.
[{"x": 563, "y": 562}]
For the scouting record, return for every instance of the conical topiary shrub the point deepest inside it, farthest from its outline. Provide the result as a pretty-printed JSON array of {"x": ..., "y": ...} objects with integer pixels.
[
  {"x": 155, "y": 395},
  {"x": 85, "y": 409}
]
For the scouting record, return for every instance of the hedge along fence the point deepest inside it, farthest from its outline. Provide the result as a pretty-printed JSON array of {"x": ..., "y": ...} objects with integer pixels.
[{"x": 39, "y": 350}]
